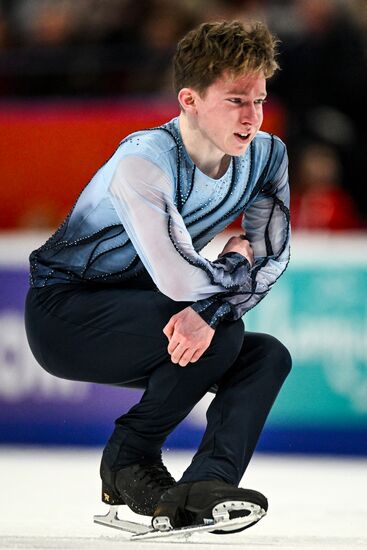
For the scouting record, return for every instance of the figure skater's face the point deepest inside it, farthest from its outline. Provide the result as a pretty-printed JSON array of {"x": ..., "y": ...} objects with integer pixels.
[{"x": 230, "y": 112}]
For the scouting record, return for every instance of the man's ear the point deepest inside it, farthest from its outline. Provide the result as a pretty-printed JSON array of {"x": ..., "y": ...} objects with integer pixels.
[{"x": 187, "y": 100}]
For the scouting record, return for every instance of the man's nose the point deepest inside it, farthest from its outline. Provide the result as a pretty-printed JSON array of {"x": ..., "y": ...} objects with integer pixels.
[{"x": 249, "y": 114}]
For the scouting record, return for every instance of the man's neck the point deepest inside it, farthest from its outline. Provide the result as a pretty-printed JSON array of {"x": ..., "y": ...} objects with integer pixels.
[{"x": 203, "y": 153}]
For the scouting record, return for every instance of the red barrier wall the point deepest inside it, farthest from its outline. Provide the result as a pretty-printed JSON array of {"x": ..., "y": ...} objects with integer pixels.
[{"x": 49, "y": 151}]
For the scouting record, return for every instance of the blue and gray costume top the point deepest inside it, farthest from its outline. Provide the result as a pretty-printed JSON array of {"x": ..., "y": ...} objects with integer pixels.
[{"x": 150, "y": 209}]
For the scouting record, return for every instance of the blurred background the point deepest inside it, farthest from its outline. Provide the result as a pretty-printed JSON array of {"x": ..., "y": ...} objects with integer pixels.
[{"x": 75, "y": 78}]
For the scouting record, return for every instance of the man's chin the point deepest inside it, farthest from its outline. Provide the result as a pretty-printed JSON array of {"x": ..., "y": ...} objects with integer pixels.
[{"x": 240, "y": 151}]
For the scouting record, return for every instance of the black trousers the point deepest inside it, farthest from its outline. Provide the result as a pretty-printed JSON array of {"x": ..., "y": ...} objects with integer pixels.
[{"x": 113, "y": 335}]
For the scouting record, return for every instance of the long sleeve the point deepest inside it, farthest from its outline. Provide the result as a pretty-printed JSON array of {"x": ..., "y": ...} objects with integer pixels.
[
  {"x": 267, "y": 226},
  {"x": 143, "y": 195}
]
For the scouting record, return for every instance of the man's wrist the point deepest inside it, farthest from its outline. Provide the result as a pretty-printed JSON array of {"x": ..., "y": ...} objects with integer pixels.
[{"x": 211, "y": 311}]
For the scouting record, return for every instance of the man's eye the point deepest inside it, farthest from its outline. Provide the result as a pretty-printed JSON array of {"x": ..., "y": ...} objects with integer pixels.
[
  {"x": 260, "y": 101},
  {"x": 234, "y": 100}
]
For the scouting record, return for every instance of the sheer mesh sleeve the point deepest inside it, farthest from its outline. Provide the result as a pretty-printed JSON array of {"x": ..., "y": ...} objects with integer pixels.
[
  {"x": 267, "y": 226},
  {"x": 142, "y": 194}
]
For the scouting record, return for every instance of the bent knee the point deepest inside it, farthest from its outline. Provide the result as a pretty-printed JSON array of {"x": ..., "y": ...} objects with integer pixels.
[{"x": 279, "y": 355}]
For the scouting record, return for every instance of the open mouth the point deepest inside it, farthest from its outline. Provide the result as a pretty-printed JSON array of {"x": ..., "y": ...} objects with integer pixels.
[{"x": 242, "y": 137}]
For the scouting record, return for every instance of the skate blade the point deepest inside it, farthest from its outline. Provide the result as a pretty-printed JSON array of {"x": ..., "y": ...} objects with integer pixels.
[
  {"x": 223, "y": 511},
  {"x": 111, "y": 519},
  {"x": 227, "y": 525},
  {"x": 142, "y": 531}
]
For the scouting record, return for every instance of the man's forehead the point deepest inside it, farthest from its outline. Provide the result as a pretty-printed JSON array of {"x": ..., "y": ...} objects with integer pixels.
[{"x": 243, "y": 84}]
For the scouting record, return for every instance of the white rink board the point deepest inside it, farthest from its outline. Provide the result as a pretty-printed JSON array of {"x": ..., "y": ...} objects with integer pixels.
[
  {"x": 307, "y": 248},
  {"x": 48, "y": 498}
]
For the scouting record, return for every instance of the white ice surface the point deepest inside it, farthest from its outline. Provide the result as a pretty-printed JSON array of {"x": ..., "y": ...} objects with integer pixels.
[{"x": 48, "y": 499}]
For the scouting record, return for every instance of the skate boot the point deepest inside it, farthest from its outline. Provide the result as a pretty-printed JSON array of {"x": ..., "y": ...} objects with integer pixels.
[
  {"x": 140, "y": 486},
  {"x": 204, "y": 502}
]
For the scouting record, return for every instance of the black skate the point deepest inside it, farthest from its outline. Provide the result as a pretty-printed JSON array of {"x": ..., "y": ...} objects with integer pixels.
[
  {"x": 140, "y": 486},
  {"x": 207, "y": 503},
  {"x": 193, "y": 508}
]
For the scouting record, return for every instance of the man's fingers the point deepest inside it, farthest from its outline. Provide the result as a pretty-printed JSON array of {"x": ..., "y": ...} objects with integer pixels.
[
  {"x": 190, "y": 336},
  {"x": 186, "y": 357},
  {"x": 179, "y": 351},
  {"x": 169, "y": 328},
  {"x": 172, "y": 345},
  {"x": 198, "y": 353}
]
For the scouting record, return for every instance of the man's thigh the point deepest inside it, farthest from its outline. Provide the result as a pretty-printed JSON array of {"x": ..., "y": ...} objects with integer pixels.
[{"x": 107, "y": 334}]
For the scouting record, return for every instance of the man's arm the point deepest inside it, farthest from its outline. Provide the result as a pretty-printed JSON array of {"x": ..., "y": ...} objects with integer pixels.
[
  {"x": 267, "y": 226},
  {"x": 189, "y": 336},
  {"x": 142, "y": 194}
]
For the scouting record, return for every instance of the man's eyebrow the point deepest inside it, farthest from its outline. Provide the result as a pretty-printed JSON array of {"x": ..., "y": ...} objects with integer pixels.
[{"x": 241, "y": 93}]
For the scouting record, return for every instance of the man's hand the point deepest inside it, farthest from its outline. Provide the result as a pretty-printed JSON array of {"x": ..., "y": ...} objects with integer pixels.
[
  {"x": 189, "y": 336},
  {"x": 241, "y": 245}
]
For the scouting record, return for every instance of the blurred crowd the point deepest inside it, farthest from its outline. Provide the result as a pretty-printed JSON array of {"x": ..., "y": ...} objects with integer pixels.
[{"x": 94, "y": 48}]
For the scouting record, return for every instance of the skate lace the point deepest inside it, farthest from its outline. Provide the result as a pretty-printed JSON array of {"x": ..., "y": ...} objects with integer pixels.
[{"x": 156, "y": 475}]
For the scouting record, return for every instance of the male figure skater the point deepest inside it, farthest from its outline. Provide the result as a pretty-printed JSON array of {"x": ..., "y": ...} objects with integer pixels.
[{"x": 121, "y": 295}]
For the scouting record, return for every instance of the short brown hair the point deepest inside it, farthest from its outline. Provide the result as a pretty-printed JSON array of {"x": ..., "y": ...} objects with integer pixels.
[{"x": 206, "y": 52}]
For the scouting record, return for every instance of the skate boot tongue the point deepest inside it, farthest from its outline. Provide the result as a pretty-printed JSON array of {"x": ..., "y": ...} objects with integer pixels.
[
  {"x": 156, "y": 474},
  {"x": 142, "y": 485}
]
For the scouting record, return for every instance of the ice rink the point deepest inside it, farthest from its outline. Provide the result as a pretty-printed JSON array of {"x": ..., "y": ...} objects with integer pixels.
[{"x": 48, "y": 499}]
